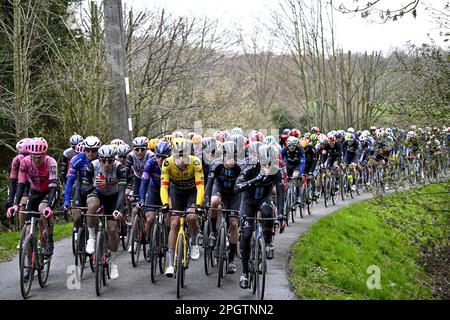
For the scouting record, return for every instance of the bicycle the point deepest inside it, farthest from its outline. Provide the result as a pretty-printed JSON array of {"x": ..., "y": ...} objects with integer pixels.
[
  {"x": 32, "y": 258},
  {"x": 157, "y": 243},
  {"x": 257, "y": 262},
  {"x": 306, "y": 194},
  {"x": 222, "y": 245},
  {"x": 80, "y": 245},
  {"x": 289, "y": 203},
  {"x": 208, "y": 255},
  {"x": 102, "y": 254},
  {"x": 138, "y": 237}
]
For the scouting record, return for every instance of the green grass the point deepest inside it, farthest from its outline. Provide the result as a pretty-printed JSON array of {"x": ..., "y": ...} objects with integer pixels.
[
  {"x": 9, "y": 240},
  {"x": 331, "y": 260}
]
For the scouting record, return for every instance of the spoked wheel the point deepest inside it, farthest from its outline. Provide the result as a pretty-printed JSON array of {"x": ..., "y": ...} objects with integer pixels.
[
  {"x": 342, "y": 186},
  {"x": 261, "y": 269},
  {"x": 27, "y": 266},
  {"x": 222, "y": 255},
  {"x": 135, "y": 242},
  {"x": 23, "y": 234},
  {"x": 44, "y": 272},
  {"x": 332, "y": 190},
  {"x": 153, "y": 251},
  {"x": 309, "y": 200},
  {"x": 180, "y": 266},
  {"x": 74, "y": 243},
  {"x": 208, "y": 258},
  {"x": 100, "y": 256},
  {"x": 163, "y": 245}
]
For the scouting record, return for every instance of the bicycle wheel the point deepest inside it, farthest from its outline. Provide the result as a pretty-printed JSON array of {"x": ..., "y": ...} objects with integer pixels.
[
  {"x": 123, "y": 232},
  {"x": 253, "y": 264},
  {"x": 261, "y": 269},
  {"x": 23, "y": 234},
  {"x": 135, "y": 242},
  {"x": 325, "y": 192},
  {"x": 163, "y": 248},
  {"x": 342, "y": 186},
  {"x": 222, "y": 254},
  {"x": 80, "y": 257},
  {"x": 74, "y": 244},
  {"x": 27, "y": 266},
  {"x": 99, "y": 263},
  {"x": 180, "y": 266},
  {"x": 44, "y": 272},
  {"x": 153, "y": 250},
  {"x": 332, "y": 189},
  {"x": 207, "y": 251}
]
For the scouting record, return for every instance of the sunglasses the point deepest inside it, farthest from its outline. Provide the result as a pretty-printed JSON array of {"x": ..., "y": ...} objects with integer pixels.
[
  {"x": 106, "y": 160},
  {"x": 90, "y": 150},
  {"x": 140, "y": 149},
  {"x": 122, "y": 157},
  {"x": 34, "y": 156}
]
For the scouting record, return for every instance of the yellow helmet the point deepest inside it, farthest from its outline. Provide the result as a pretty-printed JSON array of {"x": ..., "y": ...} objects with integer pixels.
[
  {"x": 304, "y": 142},
  {"x": 152, "y": 144},
  {"x": 197, "y": 139},
  {"x": 179, "y": 147},
  {"x": 168, "y": 138}
]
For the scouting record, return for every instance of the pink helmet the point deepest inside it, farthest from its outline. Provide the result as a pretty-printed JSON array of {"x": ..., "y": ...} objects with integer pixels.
[
  {"x": 38, "y": 146},
  {"x": 117, "y": 142},
  {"x": 22, "y": 145},
  {"x": 80, "y": 147}
]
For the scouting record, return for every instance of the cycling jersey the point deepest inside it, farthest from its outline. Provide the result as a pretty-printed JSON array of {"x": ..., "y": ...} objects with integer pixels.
[
  {"x": 68, "y": 154},
  {"x": 188, "y": 178},
  {"x": 310, "y": 160},
  {"x": 223, "y": 177},
  {"x": 152, "y": 176},
  {"x": 13, "y": 177},
  {"x": 76, "y": 172},
  {"x": 293, "y": 159},
  {"x": 334, "y": 153},
  {"x": 95, "y": 176},
  {"x": 350, "y": 151},
  {"x": 133, "y": 163}
]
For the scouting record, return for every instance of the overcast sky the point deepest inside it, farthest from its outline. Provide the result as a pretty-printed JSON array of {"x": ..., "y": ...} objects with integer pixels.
[{"x": 353, "y": 32}]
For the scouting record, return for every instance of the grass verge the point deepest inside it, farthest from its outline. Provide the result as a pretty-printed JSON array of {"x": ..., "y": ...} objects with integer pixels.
[
  {"x": 9, "y": 240},
  {"x": 341, "y": 256}
]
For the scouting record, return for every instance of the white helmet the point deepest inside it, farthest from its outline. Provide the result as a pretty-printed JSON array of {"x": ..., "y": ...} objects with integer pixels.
[
  {"x": 92, "y": 142},
  {"x": 140, "y": 142},
  {"x": 75, "y": 139},
  {"x": 107, "y": 151},
  {"x": 293, "y": 141},
  {"x": 123, "y": 150},
  {"x": 351, "y": 130},
  {"x": 237, "y": 130}
]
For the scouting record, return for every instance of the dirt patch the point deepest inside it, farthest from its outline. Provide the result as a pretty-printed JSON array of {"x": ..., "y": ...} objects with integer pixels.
[{"x": 436, "y": 261}]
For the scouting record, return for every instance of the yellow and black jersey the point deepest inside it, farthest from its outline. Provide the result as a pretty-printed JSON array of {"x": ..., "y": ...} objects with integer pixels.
[{"x": 191, "y": 176}]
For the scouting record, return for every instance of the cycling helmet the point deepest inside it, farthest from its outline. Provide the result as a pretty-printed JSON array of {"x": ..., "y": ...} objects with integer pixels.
[
  {"x": 307, "y": 135},
  {"x": 366, "y": 132},
  {"x": 315, "y": 130},
  {"x": 123, "y": 150},
  {"x": 139, "y": 142},
  {"x": 253, "y": 148},
  {"x": 411, "y": 134},
  {"x": 229, "y": 149},
  {"x": 152, "y": 144},
  {"x": 180, "y": 147},
  {"x": 331, "y": 139},
  {"x": 218, "y": 135},
  {"x": 351, "y": 130},
  {"x": 269, "y": 139},
  {"x": 163, "y": 149},
  {"x": 267, "y": 154},
  {"x": 196, "y": 139},
  {"x": 177, "y": 134},
  {"x": 80, "y": 147},
  {"x": 190, "y": 135},
  {"x": 239, "y": 140},
  {"x": 322, "y": 138},
  {"x": 286, "y": 132},
  {"x": 292, "y": 141},
  {"x": 372, "y": 129},
  {"x": 92, "y": 142},
  {"x": 107, "y": 151},
  {"x": 168, "y": 138},
  {"x": 349, "y": 136},
  {"x": 295, "y": 133},
  {"x": 314, "y": 138},
  {"x": 363, "y": 137},
  {"x": 22, "y": 145},
  {"x": 257, "y": 136},
  {"x": 304, "y": 142},
  {"x": 38, "y": 146},
  {"x": 75, "y": 139},
  {"x": 389, "y": 132},
  {"x": 209, "y": 145},
  {"x": 237, "y": 130},
  {"x": 117, "y": 142},
  {"x": 341, "y": 133}
]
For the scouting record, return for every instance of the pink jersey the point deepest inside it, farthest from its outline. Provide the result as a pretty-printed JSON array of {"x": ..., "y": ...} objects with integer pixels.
[
  {"x": 42, "y": 178},
  {"x": 15, "y": 166}
]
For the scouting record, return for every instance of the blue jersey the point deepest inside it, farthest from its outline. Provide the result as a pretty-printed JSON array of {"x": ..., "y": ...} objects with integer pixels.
[
  {"x": 294, "y": 158},
  {"x": 152, "y": 175},
  {"x": 77, "y": 170}
]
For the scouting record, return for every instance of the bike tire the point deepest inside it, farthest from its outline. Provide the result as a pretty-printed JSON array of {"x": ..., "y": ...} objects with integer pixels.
[
  {"x": 153, "y": 251},
  {"x": 222, "y": 255},
  {"x": 99, "y": 266},
  {"x": 74, "y": 249},
  {"x": 44, "y": 269},
  {"x": 261, "y": 269},
  {"x": 23, "y": 234},
  {"x": 134, "y": 242},
  {"x": 26, "y": 263},
  {"x": 309, "y": 199},
  {"x": 180, "y": 266},
  {"x": 163, "y": 249},
  {"x": 80, "y": 257},
  {"x": 207, "y": 252}
]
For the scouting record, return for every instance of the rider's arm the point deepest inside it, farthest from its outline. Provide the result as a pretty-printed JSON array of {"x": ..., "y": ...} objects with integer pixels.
[
  {"x": 122, "y": 177},
  {"x": 301, "y": 156},
  {"x": 71, "y": 177},
  {"x": 244, "y": 182},
  {"x": 129, "y": 168},
  {"x": 199, "y": 181},
  {"x": 64, "y": 166},
  {"x": 210, "y": 184},
  {"x": 165, "y": 181},
  {"x": 22, "y": 179},
  {"x": 280, "y": 194},
  {"x": 52, "y": 182},
  {"x": 145, "y": 180}
]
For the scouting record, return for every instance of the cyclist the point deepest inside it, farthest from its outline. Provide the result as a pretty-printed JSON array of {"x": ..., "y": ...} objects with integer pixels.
[
  {"x": 331, "y": 155},
  {"x": 294, "y": 158},
  {"x": 135, "y": 163},
  {"x": 239, "y": 140},
  {"x": 41, "y": 171},
  {"x": 310, "y": 164},
  {"x": 256, "y": 182},
  {"x": 68, "y": 154},
  {"x": 75, "y": 176},
  {"x": 104, "y": 185},
  {"x": 209, "y": 153},
  {"x": 350, "y": 149},
  {"x": 220, "y": 188},
  {"x": 22, "y": 148},
  {"x": 184, "y": 174},
  {"x": 122, "y": 152},
  {"x": 284, "y": 136},
  {"x": 149, "y": 192}
]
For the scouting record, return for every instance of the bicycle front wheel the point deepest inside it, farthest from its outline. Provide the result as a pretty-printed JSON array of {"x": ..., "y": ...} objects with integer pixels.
[
  {"x": 100, "y": 256},
  {"x": 207, "y": 251},
  {"x": 180, "y": 266},
  {"x": 261, "y": 269},
  {"x": 44, "y": 269},
  {"x": 135, "y": 242},
  {"x": 80, "y": 257},
  {"x": 153, "y": 250},
  {"x": 222, "y": 254},
  {"x": 27, "y": 266}
]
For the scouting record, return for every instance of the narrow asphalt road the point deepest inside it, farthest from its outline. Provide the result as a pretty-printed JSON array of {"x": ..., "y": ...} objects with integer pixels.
[{"x": 134, "y": 283}]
